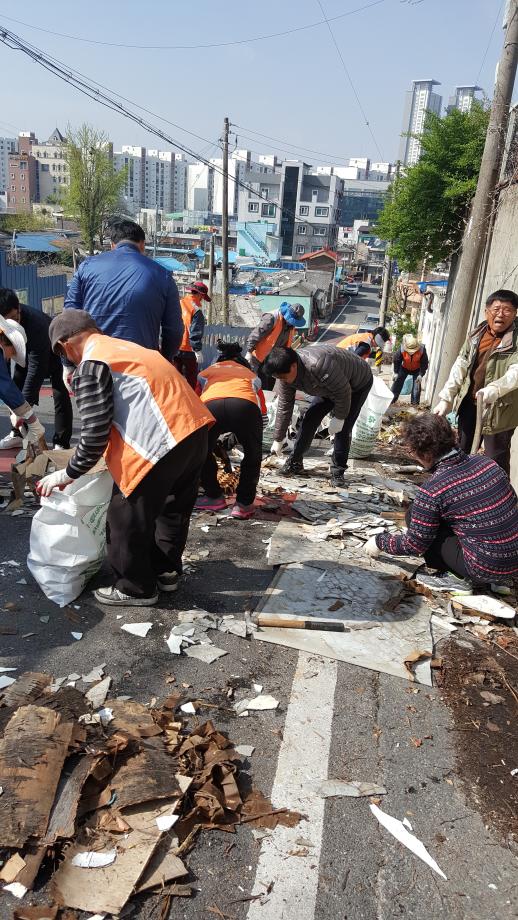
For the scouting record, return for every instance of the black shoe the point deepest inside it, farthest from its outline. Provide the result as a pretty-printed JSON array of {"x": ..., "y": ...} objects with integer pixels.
[
  {"x": 294, "y": 468},
  {"x": 337, "y": 478},
  {"x": 168, "y": 581}
]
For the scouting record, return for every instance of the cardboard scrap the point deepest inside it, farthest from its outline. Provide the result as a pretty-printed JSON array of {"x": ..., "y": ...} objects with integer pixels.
[
  {"x": 36, "y": 913},
  {"x": 12, "y": 868}
]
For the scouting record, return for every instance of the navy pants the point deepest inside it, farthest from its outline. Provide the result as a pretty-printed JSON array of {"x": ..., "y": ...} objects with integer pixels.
[{"x": 317, "y": 411}]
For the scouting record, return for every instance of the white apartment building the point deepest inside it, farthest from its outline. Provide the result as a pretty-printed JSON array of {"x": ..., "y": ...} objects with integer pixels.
[
  {"x": 133, "y": 161},
  {"x": 7, "y": 145},
  {"x": 52, "y": 167},
  {"x": 154, "y": 178},
  {"x": 295, "y": 204},
  {"x": 463, "y": 97},
  {"x": 200, "y": 187},
  {"x": 419, "y": 101},
  {"x": 239, "y": 162}
]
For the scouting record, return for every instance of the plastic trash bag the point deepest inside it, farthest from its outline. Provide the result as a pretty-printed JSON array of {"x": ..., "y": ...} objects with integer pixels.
[
  {"x": 68, "y": 537},
  {"x": 368, "y": 424},
  {"x": 407, "y": 386}
]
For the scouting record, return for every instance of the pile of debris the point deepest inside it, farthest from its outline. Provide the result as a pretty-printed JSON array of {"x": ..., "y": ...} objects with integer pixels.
[{"x": 93, "y": 787}]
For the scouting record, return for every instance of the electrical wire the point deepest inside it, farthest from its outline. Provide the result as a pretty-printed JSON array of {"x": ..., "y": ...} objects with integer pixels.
[
  {"x": 499, "y": 13},
  {"x": 240, "y": 41},
  {"x": 350, "y": 81},
  {"x": 286, "y": 146},
  {"x": 88, "y": 88}
]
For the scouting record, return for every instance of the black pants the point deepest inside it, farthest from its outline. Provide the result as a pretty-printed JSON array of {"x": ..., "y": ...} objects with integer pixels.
[
  {"x": 147, "y": 531},
  {"x": 186, "y": 363},
  {"x": 63, "y": 413},
  {"x": 445, "y": 553},
  {"x": 243, "y": 419},
  {"x": 314, "y": 416},
  {"x": 397, "y": 386},
  {"x": 496, "y": 446}
]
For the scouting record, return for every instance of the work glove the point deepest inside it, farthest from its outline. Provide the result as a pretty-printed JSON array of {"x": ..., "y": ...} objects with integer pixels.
[
  {"x": 25, "y": 421},
  {"x": 489, "y": 395},
  {"x": 277, "y": 447},
  {"x": 371, "y": 548},
  {"x": 442, "y": 407},
  {"x": 57, "y": 480},
  {"x": 68, "y": 373},
  {"x": 335, "y": 425},
  {"x": 249, "y": 356},
  {"x": 199, "y": 357}
]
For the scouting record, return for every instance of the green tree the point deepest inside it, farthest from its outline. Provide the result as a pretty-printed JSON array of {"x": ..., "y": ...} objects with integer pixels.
[
  {"x": 95, "y": 187},
  {"x": 427, "y": 208},
  {"x": 23, "y": 222}
]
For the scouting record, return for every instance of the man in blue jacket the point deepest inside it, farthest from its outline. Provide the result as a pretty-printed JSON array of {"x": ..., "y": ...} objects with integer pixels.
[{"x": 129, "y": 295}]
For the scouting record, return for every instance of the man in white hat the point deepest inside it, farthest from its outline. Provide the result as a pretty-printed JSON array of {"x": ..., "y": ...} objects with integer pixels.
[
  {"x": 410, "y": 360},
  {"x": 12, "y": 345}
]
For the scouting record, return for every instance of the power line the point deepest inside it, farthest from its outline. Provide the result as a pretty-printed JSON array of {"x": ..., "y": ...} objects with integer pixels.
[
  {"x": 89, "y": 89},
  {"x": 349, "y": 78},
  {"x": 240, "y": 41},
  {"x": 499, "y": 13},
  {"x": 286, "y": 144}
]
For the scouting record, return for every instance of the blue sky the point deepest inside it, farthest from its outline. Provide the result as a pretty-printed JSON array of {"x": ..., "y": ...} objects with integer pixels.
[{"x": 292, "y": 87}]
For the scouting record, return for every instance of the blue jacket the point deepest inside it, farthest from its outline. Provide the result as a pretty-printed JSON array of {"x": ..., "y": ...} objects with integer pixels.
[
  {"x": 130, "y": 297},
  {"x": 9, "y": 392}
]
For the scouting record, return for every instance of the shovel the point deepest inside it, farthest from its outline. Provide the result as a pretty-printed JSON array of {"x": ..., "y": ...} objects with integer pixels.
[{"x": 478, "y": 426}]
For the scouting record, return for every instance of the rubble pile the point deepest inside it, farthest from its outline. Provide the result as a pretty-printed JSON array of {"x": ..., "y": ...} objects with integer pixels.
[{"x": 101, "y": 797}]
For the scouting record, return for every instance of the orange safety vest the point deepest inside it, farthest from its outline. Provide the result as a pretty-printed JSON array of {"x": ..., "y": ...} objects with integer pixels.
[
  {"x": 189, "y": 307},
  {"x": 264, "y": 347},
  {"x": 229, "y": 380},
  {"x": 154, "y": 408},
  {"x": 351, "y": 340},
  {"x": 410, "y": 362}
]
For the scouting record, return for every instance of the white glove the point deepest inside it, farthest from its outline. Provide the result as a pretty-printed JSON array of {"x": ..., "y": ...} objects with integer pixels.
[
  {"x": 57, "y": 480},
  {"x": 276, "y": 448},
  {"x": 35, "y": 429},
  {"x": 489, "y": 395},
  {"x": 335, "y": 425},
  {"x": 371, "y": 548},
  {"x": 249, "y": 357},
  {"x": 442, "y": 407},
  {"x": 199, "y": 357},
  {"x": 68, "y": 373}
]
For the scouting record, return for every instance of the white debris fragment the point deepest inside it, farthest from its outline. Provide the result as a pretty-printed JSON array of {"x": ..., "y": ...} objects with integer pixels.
[
  {"x": 98, "y": 693},
  {"x": 246, "y": 750},
  {"x": 166, "y": 822},
  {"x": 74, "y": 677},
  {"x": 205, "y": 652},
  {"x": 399, "y": 831},
  {"x": 11, "y": 562},
  {"x": 263, "y": 702},
  {"x": 407, "y": 824},
  {"x": 95, "y": 674},
  {"x": 6, "y": 681},
  {"x": 77, "y": 636},
  {"x": 137, "y": 629},
  {"x": 106, "y": 716},
  {"x": 188, "y": 709},
  {"x": 258, "y": 688},
  {"x": 21, "y": 581},
  {"x": 92, "y": 859},
  {"x": 55, "y": 685},
  {"x": 514, "y": 772},
  {"x": 334, "y": 788},
  {"x": 174, "y": 643},
  {"x": 15, "y": 888},
  {"x": 3, "y": 670}
]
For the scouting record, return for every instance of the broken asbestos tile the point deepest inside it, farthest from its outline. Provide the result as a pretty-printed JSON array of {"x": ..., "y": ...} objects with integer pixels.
[
  {"x": 333, "y": 788},
  {"x": 94, "y": 859},
  {"x": 137, "y": 629},
  {"x": 399, "y": 831},
  {"x": 206, "y": 653},
  {"x": 98, "y": 693}
]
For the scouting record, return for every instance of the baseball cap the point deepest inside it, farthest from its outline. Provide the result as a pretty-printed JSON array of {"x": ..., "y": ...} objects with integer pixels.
[
  {"x": 198, "y": 287},
  {"x": 293, "y": 313},
  {"x": 70, "y": 322},
  {"x": 17, "y": 337}
]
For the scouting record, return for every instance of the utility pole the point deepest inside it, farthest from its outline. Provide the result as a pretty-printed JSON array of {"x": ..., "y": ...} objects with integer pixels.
[
  {"x": 476, "y": 232},
  {"x": 387, "y": 271},
  {"x": 224, "y": 224},
  {"x": 156, "y": 231},
  {"x": 211, "y": 276}
]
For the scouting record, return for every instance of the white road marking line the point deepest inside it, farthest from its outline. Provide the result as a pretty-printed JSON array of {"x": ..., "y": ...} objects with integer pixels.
[
  {"x": 326, "y": 330},
  {"x": 302, "y": 764}
]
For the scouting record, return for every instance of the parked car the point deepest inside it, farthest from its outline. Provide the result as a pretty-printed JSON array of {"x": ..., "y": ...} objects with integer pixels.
[{"x": 352, "y": 287}]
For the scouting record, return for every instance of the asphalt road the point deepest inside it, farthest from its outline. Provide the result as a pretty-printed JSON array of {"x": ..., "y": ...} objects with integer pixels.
[{"x": 334, "y": 719}]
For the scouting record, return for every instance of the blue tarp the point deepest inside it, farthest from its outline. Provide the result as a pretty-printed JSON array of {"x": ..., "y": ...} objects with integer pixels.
[
  {"x": 422, "y": 285},
  {"x": 232, "y": 256},
  {"x": 172, "y": 265},
  {"x": 37, "y": 242}
]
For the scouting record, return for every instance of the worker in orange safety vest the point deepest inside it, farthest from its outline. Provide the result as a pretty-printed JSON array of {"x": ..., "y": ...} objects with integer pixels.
[
  {"x": 410, "y": 360},
  {"x": 274, "y": 330},
  {"x": 234, "y": 396},
  {"x": 140, "y": 413},
  {"x": 190, "y": 355},
  {"x": 365, "y": 344}
]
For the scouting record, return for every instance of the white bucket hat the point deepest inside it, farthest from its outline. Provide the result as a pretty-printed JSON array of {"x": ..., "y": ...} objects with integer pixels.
[
  {"x": 410, "y": 343},
  {"x": 16, "y": 335}
]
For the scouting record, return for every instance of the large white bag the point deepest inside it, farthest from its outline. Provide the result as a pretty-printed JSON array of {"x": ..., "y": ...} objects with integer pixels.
[
  {"x": 68, "y": 537},
  {"x": 368, "y": 424}
]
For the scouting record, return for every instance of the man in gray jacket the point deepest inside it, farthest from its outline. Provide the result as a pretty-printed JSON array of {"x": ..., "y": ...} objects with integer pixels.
[{"x": 340, "y": 382}]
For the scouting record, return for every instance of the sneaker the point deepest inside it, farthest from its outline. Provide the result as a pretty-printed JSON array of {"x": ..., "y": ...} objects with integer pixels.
[
  {"x": 11, "y": 441},
  {"x": 115, "y": 598},
  {"x": 337, "y": 478},
  {"x": 243, "y": 512},
  {"x": 168, "y": 581},
  {"x": 205, "y": 503},
  {"x": 294, "y": 468},
  {"x": 445, "y": 581},
  {"x": 501, "y": 588}
]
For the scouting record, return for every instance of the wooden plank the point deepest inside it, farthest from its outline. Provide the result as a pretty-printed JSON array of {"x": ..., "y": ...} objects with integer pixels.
[
  {"x": 26, "y": 689},
  {"x": 32, "y": 753},
  {"x": 146, "y": 776},
  {"x": 63, "y": 816}
]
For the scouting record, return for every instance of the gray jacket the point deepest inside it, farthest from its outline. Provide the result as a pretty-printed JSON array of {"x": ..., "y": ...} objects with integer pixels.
[
  {"x": 323, "y": 370},
  {"x": 265, "y": 326}
]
